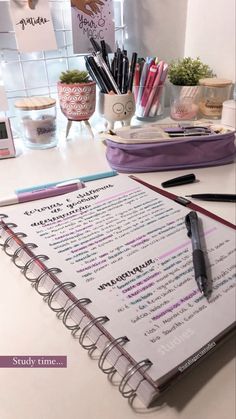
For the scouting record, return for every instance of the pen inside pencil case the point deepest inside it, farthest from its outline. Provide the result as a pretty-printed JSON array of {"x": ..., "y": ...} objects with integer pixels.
[{"x": 137, "y": 135}]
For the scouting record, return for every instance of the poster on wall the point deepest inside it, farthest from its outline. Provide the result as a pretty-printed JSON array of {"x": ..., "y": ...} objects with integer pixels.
[
  {"x": 33, "y": 26},
  {"x": 92, "y": 19}
]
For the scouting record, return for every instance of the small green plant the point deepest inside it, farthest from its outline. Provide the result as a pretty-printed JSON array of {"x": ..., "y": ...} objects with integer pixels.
[
  {"x": 74, "y": 76},
  {"x": 188, "y": 71}
]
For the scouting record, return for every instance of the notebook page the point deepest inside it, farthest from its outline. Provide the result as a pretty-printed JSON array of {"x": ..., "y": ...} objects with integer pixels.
[{"x": 126, "y": 248}]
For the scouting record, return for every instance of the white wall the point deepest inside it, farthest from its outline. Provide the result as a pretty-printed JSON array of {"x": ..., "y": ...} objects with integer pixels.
[
  {"x": 156, "y": 27},
  {"x": 178, "y": 28},
  {"x": 210, "y": 34}
]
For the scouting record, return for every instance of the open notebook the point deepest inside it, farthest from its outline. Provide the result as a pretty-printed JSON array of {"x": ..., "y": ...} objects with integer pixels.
[{"x": 115, "y": 263}]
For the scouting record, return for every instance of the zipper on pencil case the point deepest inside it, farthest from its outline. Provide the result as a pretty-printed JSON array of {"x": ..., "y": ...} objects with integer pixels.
[{"x": 174, "y": 140}]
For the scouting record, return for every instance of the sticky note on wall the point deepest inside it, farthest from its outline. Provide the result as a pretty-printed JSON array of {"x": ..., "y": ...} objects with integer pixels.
[{"x": 33, "y": 27}]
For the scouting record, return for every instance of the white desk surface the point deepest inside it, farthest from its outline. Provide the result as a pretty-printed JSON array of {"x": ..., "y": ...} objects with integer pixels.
[{"x": 29, "y": 327}]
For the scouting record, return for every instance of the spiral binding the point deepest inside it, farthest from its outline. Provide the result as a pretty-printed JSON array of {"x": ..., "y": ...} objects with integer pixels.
[
  {"x": 54, "y": 291},
  {"x": 65, "y": 311},
  {"x": 44, "y": 273},
  {"x": 7, "y": 242},
  {"x": 35, "y": 258},
  {"x": 18, "y": 251},
  {"x": 10, "y": 225},
  {"x": 3, "y": 216},
  {"x": 87, "y": 328},
  {"x": 111, "y": 345},
  {"x": 130, "y": 393},
  {"x": 83, "y": 301}
]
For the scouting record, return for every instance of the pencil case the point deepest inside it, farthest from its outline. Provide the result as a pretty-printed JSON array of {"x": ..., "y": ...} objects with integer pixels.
[
  {"x": 130, "y": 150},
  {"x": 144, "y": 150}
]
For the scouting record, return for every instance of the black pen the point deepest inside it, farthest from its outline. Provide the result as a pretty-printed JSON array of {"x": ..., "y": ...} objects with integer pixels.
[
  {"x": 204, "y": 285},
  {"x": 104, "y": 53},
  {"x": 95, "y": 45},
  {"x": 114, "y": 67},
  {"x": 220, "y": 197},
  {"x": 101, "y": 63},
  {"x": 119, "y": 70},
  {"x": 95, "y": 73},
  {"x": 125, "y": 72},
  {"x": 132, "y": 70},
  {"x": 101, "y": 75}
]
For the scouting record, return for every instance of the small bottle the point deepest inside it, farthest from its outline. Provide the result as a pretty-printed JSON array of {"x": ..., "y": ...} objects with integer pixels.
[
  {"x": 214, "y": 92},
  {"x": 37, "y": 118}
]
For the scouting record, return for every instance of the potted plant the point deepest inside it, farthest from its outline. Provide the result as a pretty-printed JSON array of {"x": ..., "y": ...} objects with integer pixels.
[
  {"x": 77, "y": 95},
  {"x": 184, "y": 75}
]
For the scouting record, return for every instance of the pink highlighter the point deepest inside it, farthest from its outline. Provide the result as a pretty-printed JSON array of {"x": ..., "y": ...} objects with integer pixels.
[{"x": 41, "y": 194}]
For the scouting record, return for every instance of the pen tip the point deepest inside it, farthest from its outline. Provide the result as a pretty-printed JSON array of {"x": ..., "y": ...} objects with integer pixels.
[{"x": 207, "y": 291}]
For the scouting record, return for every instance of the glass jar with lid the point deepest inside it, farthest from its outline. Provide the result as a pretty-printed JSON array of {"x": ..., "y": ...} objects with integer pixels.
[
  {"x": 37, "y": 120},
  {"x": 214, "y": 92}
]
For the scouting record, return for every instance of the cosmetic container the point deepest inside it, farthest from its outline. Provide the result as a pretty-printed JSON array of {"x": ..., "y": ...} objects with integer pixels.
[{"x": 214, "y": 92}]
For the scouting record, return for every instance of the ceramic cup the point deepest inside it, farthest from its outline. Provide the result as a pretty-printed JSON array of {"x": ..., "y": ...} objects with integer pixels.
[{"x": 115, "y": 108}]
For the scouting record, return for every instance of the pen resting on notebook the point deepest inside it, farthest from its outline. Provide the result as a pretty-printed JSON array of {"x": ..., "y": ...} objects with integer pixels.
[
  {"x": 40, "y": 194},
  {"x": 220, "y": 197},
  {"x": 199, "y": 266}
]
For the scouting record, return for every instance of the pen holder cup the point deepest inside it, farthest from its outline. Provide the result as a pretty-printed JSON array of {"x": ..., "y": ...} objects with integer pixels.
[
  {"x": 149, "y": 102},
  {"x": 184, "y": 102},
  {"x": 116, "y": 108}
]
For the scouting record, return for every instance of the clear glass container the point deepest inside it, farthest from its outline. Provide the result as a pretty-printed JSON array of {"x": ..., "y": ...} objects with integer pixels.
[
  {"x": 184, "y": 102},
  {"x": 214, "y": 92},
  {"x": 149, "y": 102},
  {"x": 37, "y": 121}
]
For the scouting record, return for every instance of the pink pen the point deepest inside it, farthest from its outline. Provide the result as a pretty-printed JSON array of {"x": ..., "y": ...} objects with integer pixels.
[
  {"x": 40, "y": 194},
  {"x": 136, "y": 80},
  {"x": 156, "y": 99},
  {"x": 155, "y": 88},
  {"x": 149, "y": 83}
]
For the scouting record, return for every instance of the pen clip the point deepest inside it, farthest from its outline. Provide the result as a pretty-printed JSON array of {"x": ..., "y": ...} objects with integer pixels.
[{"x": 69, "y": 183}]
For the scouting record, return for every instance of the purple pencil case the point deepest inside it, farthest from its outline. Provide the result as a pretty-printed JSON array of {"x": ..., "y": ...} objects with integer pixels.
[{"x": 149, "y": 148}]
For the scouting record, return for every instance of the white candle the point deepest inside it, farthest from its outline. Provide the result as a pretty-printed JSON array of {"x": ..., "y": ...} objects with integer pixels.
[{"x": 40, "y": 131}]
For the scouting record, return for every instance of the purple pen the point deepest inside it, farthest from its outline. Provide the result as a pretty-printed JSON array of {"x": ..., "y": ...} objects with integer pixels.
[{"x": 40, "y": 194}]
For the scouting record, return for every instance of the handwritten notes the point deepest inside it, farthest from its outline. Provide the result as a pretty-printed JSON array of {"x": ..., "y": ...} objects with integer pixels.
[
  {"x": 126, "y": 248},
  {"x": 33, "y": 27},
  {"x": 99, "y": 25}
]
